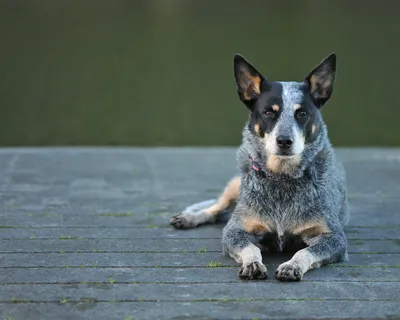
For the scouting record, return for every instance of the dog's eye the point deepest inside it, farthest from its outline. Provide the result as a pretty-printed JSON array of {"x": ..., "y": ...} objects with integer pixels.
[
  {"x": 269, "y": 114},
  {"x": 301, "y": 114}
]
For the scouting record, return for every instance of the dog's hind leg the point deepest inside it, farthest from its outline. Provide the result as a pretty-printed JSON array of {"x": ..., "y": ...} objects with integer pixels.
[{"x": 208, "y": 211}]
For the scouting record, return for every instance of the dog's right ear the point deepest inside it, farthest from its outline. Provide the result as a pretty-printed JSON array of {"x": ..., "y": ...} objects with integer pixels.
[
  {"x": 248, "y": 80},
  {"x": 321, "y": 79}
]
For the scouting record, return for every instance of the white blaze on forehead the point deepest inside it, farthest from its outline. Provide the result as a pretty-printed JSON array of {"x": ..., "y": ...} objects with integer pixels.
[
  {"x": 292, "y": 96},
  {"x": 291, "y": 93},
  {"x": 286, "y": 125}
]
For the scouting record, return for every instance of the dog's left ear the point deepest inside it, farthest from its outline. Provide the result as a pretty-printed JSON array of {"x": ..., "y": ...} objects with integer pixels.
[
  {"x": 321, "y": 79},
  {"x": 248, "y": 80}
]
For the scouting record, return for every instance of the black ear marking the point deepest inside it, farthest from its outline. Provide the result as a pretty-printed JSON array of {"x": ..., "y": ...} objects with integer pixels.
[
  {"x": 248, "y": 80},
  {"x": 321, "y": 79}
]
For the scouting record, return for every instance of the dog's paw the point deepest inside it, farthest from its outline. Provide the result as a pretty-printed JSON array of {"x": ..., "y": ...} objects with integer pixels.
[
  {"x": 181, "y": 221},
  {"x": 288, "y": 272},
  {"x": 253, "y": 270}
]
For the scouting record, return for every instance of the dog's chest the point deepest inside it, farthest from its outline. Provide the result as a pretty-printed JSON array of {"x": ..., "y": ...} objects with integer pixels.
[
  {"x": 285, "y": 206},
  {"x": 284, "y": 212},
  {"x": 276, "y": 234},
  {"x": 282, "y": 208}
]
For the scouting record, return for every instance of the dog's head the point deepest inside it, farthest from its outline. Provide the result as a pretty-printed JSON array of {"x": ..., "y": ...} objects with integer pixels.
[{"x": 285, "y": 116}]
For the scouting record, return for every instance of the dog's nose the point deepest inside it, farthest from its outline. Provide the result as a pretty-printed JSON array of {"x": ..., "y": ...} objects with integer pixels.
[{"x": 284, "y": 142}]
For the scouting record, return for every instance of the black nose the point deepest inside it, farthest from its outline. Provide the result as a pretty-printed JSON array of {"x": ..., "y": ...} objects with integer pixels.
[{"x": 284, "y": 142}]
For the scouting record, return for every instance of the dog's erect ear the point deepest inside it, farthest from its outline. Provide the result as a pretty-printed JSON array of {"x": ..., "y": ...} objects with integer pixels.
[
  {"x": 321, "y": 79},
  {"x": 248, "y": 80}
]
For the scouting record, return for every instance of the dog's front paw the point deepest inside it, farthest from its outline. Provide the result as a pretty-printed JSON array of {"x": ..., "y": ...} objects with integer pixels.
[
  {"x": 288, "y": 272},
  {"x": 253, "y": 270},
  {"x": 181, "y": 221}
]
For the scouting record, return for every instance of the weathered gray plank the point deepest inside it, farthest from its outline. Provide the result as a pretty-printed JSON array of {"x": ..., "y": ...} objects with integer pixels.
[
  {"x": 366, "y": 211},
  {"x": 268, "y": 309},
  {"x": 104, "y": 219},
  {"x": 202, "y": 291},
  {"x": 151, "y": 231},
  {"x": 377, "y": 212},
  {"x": 114, "y": 245},
  {"x": 61, "y": 189},
  {"x": 131, "y": 233},
  {"x": 183, "y": 275},
  {"x": 163, "y": 259},
  {"x": 158, "y": 245},
  {"x": 52, "y": 220},
  {"x": 115, "y": 217}
]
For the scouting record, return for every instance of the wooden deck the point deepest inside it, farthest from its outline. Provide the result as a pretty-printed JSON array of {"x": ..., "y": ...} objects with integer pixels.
[{"x": 84, "y": 234}]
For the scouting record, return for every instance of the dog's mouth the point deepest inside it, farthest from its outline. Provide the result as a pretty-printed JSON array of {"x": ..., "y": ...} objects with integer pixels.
[
  {"x": 284, "y": 147},
  {"x": 286, "y": 155}
]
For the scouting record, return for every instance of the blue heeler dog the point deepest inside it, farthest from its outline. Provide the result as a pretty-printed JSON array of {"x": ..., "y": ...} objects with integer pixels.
[{"x": 291, "y": 192}]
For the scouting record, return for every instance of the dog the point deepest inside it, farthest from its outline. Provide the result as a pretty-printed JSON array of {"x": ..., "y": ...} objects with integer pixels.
[{"x": 290, "y": 193}]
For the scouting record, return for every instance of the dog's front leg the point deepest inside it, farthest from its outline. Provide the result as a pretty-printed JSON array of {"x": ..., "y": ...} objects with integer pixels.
[
  {"x": 239, "y": 245},
  {"x": 323, "y": 249}
]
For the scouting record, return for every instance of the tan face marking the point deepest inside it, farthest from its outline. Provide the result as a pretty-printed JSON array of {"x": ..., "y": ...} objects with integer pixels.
[
  {"x": 280, "y": 165},
  {"x": 254, "y": 225},
  {"x": 273, "y": 163},
  {"x": 257, "y": 128},
  {"x": 314, "y": 129},
  {"x": 296, "y": 107},
  {"x": 275, "y": 107}
]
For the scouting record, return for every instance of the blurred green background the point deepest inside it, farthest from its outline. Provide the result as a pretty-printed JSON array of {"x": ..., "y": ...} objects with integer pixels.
[{"x": 159, "y": 72}]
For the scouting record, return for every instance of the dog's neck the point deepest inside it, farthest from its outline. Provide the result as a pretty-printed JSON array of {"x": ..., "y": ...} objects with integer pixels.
[
  {"x": 265, "y": 173},
  {"x": 276, "y": 168}
]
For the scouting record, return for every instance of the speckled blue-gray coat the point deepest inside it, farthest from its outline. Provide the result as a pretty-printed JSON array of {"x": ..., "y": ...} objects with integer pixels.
[{"x": 291, "y": 190}]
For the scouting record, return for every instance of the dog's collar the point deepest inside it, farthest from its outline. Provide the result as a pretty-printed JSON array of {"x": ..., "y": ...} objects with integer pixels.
[
  {"x": 256, "y": 168},
  {"x": 265, "y": 174}
]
